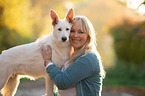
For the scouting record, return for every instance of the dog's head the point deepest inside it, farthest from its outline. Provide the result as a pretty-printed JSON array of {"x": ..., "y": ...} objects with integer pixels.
[{"x": 61, "y": 28}]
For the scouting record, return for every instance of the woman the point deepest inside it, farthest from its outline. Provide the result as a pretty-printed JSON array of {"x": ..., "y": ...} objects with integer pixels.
[{"x": 83, "y": 73}]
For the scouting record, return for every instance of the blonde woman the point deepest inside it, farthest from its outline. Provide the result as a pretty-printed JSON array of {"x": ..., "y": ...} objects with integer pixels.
[{"x": 82, "y": 75}]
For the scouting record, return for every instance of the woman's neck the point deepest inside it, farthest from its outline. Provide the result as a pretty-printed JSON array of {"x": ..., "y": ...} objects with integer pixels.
[
  {"x": 77, "y": 50},
  {"x": 74, "y": 52}
]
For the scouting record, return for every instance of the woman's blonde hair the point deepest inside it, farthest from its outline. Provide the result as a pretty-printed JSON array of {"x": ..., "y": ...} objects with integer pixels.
[{"x": 90, "y": 45}]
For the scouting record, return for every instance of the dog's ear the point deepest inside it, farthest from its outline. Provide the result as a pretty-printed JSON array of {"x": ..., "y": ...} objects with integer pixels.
[
  {"x": 54, "y": 17},
  {"x": 69, "y": 15}
]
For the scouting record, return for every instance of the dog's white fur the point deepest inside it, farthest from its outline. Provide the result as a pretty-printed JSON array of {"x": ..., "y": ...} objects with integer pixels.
[{"x": 27, "y": 60}]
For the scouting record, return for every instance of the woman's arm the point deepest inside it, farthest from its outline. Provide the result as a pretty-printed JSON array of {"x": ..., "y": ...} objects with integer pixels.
[{"x": 76, "y": 72}]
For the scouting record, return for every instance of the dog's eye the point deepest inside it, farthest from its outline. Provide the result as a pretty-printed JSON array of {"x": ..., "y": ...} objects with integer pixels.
[
  {"x": 67, "y": 29},
  {"x": 59, "y": 29}
]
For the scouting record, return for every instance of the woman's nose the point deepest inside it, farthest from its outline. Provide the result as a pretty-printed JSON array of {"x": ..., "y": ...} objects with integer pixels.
[{"x": 76, "y": 34}]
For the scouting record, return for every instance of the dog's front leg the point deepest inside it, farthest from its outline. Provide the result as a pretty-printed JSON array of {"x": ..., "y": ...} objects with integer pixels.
[{"x": 49, "y": 86}]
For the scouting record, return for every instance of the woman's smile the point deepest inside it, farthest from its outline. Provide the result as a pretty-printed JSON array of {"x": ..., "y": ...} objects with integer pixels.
[{"x": 76, "y": 40}]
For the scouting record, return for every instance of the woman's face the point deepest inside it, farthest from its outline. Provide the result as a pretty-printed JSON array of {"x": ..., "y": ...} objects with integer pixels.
[{"x": 77, "y": 36}]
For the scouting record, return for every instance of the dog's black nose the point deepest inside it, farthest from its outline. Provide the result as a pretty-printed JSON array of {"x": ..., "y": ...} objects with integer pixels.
[{"x": 64, "y": 39}]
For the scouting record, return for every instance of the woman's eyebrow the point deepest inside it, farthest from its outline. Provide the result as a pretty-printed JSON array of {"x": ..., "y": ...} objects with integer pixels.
[{"x": 80, "y": 30}]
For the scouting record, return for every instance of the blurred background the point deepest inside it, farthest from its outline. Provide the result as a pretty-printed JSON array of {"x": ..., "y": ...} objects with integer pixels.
[{"x": 120, "y": 28}]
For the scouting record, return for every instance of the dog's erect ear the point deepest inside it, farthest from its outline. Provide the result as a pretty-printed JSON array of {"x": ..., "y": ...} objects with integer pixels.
[
  {"x": 69, "y": 15},
  {"x": 54, "y": 17}
]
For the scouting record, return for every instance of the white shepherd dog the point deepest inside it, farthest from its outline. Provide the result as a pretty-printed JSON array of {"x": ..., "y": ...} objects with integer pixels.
[{"x": 27, "y": 60}]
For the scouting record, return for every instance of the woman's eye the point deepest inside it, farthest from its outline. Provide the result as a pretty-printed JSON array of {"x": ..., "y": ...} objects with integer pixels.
[
  {"x": 59, "y": 29},
  {"x": 67, "y": 29},
  {"x": 81, "y": 32},
  {"x": 71, "y": 31}
]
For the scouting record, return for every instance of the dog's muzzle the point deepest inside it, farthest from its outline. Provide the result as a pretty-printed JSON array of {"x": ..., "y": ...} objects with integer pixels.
[{"x": 64, "y": 39}]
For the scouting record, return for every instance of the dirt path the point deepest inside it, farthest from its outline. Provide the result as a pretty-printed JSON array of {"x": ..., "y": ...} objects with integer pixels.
[{"x": 37, "y": 88}]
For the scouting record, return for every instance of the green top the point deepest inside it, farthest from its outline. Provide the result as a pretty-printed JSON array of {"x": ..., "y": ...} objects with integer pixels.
[{"x": 84, "y": 73}]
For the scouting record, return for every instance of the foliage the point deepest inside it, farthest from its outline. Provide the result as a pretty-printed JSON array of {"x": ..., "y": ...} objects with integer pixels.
[
  {"x": 10, "y": 38},
  {"x": 125, "y": 74},
  {"x": 129, "y": 42},
  {"x": 143, "y": 3},
  {"x": 16, "y": 16},
  {"x": 11, "y": 25}
]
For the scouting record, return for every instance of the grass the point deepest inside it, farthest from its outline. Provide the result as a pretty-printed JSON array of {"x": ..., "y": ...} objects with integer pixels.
[
  {"x": 26, "y": 79},
  {"x": 124, "y": 74}
]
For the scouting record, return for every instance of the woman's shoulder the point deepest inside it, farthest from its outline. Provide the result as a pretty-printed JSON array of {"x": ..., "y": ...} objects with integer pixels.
[
  {"x": 90, "y": 55},
  {"x": 87, "y": 53},
  {"x": 87, "y": 56}
]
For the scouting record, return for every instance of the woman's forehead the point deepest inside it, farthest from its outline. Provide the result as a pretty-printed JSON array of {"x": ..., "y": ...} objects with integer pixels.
[{"x": 77, "y": 24}]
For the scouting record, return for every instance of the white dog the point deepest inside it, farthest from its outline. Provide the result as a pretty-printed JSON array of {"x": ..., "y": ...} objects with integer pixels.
[{"x": 27, "y": 60}]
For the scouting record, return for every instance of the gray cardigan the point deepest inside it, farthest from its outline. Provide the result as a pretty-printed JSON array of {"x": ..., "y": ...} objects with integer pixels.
[{"x": 84, "y": 73}]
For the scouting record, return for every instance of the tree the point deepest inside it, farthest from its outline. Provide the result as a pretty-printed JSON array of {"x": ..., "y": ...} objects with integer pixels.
[{"x": 129, "y": 42}]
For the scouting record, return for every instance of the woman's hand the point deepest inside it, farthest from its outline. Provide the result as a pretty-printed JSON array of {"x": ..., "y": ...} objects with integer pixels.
[{"x": 46, "y": 53}]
